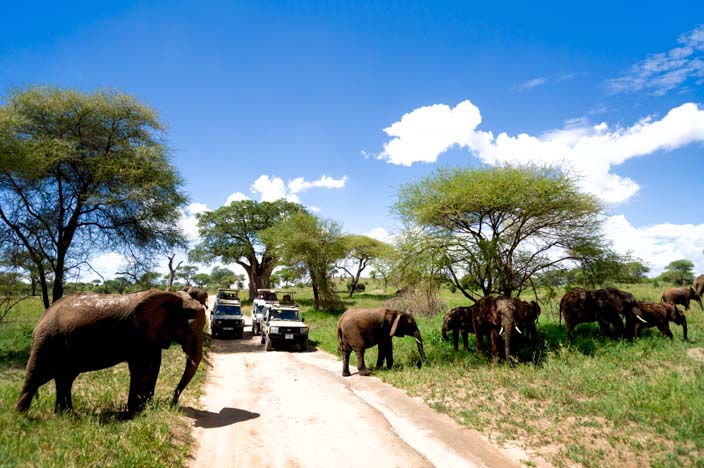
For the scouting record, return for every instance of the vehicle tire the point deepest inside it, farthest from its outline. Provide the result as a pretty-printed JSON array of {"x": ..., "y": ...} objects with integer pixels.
[
  {"x": 240, "y": 334},
  {"x": 262, "y": 339},
  {"x": 268, "y": 346},
  {"x": 213, "y": 333},
  {"x": 303, "y": 346}
]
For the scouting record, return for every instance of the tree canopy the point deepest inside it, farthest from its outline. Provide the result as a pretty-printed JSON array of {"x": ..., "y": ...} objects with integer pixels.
[
  {"x": 317, "y": 245},
  {"x": 497, "y": 227},
  {"x": 679, "y": 272},
  {"x": 232, "y": 234},
  {"x": 360, "y": 252},
  {"x": 82, "y": 174}
]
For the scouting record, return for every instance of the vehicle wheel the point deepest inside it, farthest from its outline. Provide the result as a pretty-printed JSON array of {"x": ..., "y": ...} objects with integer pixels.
[
  {"x": 262, "y": 339},
  {"x": 213, "y": 333},
  {"x": 303, "y": 346},
  {"x": 240, "y": 334},
  {"x": 268, "y": 346}
]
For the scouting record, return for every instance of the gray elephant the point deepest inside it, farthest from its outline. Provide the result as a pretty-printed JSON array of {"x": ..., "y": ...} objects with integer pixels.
[
  {"x": 681, "y": 296},
  {"x": 494, "y": 316},
  {"x": 606, "y": 306},
  {"x": 360, "y": 329},
  {"x": 459, "y": 322},
  {"x": 699, "y": 285},
  {"x": 87, "y": 332},
  {"x": 199, "y": 294},
  {"x": 658, "y": 314}
]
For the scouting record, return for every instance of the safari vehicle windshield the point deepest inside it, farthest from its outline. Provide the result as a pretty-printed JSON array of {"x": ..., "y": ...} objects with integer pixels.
[
  {"x": 223, "y": 309},
  {"x": 228, "y": 296},
  {"x": 284, "y": 314}
]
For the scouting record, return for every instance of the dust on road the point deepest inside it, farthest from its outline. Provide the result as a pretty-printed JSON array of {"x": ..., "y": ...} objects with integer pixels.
[{"x": 288, "y": 409}]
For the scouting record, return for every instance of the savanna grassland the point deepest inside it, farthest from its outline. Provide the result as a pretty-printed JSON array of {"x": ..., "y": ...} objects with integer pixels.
[
  {"x": 601, "y": 402},
  {"x": 96, "y": 434}
]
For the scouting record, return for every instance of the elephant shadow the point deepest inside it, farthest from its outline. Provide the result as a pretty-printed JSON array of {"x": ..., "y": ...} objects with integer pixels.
[
  {"x": 226, "y": 416},
  {"x": 587, "y": 341}
]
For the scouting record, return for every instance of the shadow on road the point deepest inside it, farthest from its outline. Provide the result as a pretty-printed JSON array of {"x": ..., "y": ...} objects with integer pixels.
[{"x": 225, "y": 417}]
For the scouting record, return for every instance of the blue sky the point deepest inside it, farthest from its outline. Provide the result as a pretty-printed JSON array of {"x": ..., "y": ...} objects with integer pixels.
[{"x": 269, "y": 99}]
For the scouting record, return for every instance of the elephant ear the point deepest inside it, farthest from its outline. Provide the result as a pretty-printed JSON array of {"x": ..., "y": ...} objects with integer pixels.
[
  {"x": 162, "y": 316},
  {"x": 394, "y": 326}
]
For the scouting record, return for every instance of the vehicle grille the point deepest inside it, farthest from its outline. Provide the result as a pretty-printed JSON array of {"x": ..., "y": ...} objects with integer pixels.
[{"x": 288, "y": 330}]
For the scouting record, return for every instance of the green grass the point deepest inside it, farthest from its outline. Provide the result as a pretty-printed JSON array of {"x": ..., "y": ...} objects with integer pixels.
[
  {"x": 96, "y": 434},
  {"x": 601, "y": 402}
]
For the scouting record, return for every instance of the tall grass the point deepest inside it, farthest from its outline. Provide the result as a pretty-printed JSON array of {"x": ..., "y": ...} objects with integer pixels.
[
  {"x": 96, "y": 433},
  {"x": 600, "y": 402}
]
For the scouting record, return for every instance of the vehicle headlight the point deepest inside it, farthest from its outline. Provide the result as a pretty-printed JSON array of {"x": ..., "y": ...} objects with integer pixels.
[
  {"x": 274, "y": 330},
  {"x": 303, "y": 330}
]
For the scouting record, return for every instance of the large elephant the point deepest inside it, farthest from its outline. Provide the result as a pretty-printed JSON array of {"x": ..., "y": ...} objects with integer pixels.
[
  {"x": 658, "y": 314},
  {"x": 459, "y": 322},
  {"x": 606, "y": 306},
  {"x": 359, "y": 329},
  {"x": 681, "y": 296},
  {"x": 493, "y": 316},
  {"x": 699, "y": 285},
  {"x": 199, "y": 294},
  {"x": 87, "y": 332}
]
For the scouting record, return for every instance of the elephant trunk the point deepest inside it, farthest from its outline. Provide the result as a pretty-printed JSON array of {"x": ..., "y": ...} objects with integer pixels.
[
  {"x": 193, "y": 359},
  {"x": 444, "y": 330},
  {"x": 508, "y": 325}
]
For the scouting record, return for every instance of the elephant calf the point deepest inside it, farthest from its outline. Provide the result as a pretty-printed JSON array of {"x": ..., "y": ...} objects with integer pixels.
[
  {"x": 658, "y": 314},
  {"x": 459, "y": 321},
  {"x": 359, "y": 329}
]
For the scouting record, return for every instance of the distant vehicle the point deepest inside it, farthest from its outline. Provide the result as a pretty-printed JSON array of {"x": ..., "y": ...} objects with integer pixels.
[
  {"x": 264, "y": 298},
  {"x": 283, "y": 325},
  {"x": 226, "y": 316}
]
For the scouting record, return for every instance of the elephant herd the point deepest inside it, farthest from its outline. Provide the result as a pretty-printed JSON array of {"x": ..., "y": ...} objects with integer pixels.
[{"x": 611, "y": 308}]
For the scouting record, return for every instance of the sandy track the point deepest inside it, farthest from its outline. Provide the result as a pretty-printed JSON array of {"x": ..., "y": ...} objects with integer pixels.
[{"x": 288, "y": 409}]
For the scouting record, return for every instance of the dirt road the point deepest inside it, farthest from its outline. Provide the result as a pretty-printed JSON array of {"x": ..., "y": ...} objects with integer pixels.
[{"x": 288, "y": 409}]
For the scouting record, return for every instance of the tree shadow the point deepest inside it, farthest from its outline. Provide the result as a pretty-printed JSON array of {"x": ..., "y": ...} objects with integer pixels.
[{"x": 226, "y": 416}]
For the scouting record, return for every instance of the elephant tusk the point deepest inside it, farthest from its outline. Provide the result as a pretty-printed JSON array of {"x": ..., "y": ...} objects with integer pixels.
[
  {"x": 640, "y": 318},
  {"x": 501, "y": 332},
  {"x": 519, "y": 331},
  {"x": 419, "y": 342}
]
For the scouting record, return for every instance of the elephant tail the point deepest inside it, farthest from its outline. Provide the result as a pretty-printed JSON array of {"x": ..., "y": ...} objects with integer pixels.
[
  {"x": 339, "y": 340},
  {"x": 444, "y": 329}
]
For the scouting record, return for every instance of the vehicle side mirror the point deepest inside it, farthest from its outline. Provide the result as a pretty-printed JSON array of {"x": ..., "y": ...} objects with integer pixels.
[{"x": 303, "y": 319}]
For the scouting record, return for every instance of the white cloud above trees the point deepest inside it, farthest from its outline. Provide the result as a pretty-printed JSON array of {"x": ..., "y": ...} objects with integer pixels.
[
  {"x": 274, "y": 188},
  {"x": 589, "y": 152}
]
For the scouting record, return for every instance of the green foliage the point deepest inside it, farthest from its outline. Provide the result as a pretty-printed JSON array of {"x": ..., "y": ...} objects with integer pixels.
[
  {"x": 233, "y": 234},
  {"x": 222, "y": 277},
  {"x": 497, "y": 225},
  {"x": 316, "y": 244},
  {"x": 83, "y": 173},
  {"x": 361, "y": 251},
  {"x": 679, "y": 272}
]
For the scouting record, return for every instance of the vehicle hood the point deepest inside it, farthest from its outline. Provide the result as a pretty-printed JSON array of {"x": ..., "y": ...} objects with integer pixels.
[
  {"x": 227, "y": 317},
  {"x": 287, "y": 323}
]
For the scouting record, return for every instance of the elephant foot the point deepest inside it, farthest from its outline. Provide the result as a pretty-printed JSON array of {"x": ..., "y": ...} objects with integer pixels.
[
  {"x": 364, "y": 371},
  {"x": 346, "y": 373}
]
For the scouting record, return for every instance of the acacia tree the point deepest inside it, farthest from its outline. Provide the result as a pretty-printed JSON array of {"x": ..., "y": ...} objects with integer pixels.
[
  {"x": 497, "y": 227},
  {"x": 361, "y": 251},
  {"x": 82, "y": 174},
  {"x": 232, "y": 234},
  {"x": 314, "y": 243},
  {"x": 680, "y": 271}
]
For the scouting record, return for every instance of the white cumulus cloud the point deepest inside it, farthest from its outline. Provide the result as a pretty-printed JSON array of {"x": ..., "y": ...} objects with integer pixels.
[
  {"x": 588, "y": 151},
  {"x": 274, "y": 188},
  {"x": 658, "y": 244},
  {"x": 381, "y": 234},
  {"x": 530, "y": 84},
  {"x": 235, "y": 197},
  {"x": 188, "y": 221}
]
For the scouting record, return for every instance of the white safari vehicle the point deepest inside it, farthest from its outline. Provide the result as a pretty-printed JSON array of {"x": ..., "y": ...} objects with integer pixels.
[
  {"x": 226, "y": 315},
  {"x": 283, "y": 325},
  {"x": 264, "y": 298}
]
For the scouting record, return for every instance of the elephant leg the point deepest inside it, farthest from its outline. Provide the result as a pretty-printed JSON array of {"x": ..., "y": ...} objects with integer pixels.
[
  {"x": 382, "y": 348},
  {"x": 389, "y": 354},
  {"x": 32, "y": 382},
  {"x": 361, "y": 367},
  {"x": 604, "y": 326},
  {"x": 479, "y": 339},
  {"x": 346, "y": 351},
  {"x": 64, "y": 383},
  {"x": 455, "y": 338},
  {"x": 144, "y": 371},
  {"x": 665, "y": 329},
  {"x": 465, "y": 341},
  {"x": 494, "y": 344}
]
